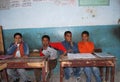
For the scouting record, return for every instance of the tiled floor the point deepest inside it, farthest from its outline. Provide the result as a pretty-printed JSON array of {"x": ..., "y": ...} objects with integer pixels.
[{"x": 55, "y": 78}]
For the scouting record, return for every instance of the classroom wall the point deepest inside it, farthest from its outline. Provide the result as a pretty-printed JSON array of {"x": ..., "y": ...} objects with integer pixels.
[
  {"x": 57, "y": 13},
  {"x": 106, "y": 37}
]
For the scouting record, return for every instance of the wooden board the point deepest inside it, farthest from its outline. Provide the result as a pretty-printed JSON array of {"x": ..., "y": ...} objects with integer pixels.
[{"x": 1, "y": 42}]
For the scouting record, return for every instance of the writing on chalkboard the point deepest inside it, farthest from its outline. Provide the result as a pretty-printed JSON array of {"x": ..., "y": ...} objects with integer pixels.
[
  {"x": 4, "y": 4},
  {"x": 7, "y": 4}
]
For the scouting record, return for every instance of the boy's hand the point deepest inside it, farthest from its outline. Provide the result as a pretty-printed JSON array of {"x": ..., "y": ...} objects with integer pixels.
[
  {"x": 25, "y": 57},
  {"x": 16, "y": 43},
  {"x": 69, "y": 51},
  {"x": 71, "y": 43},
  {"x": 64, "y": 54}
]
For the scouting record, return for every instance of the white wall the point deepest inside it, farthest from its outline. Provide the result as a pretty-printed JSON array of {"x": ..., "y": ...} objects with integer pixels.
[{"x": 46, "y": 14}]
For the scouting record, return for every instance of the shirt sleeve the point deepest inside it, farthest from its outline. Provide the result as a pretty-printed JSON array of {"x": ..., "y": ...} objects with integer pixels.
[
  {"x": 58, "y": 45},
  {"x": 26, "y": 49},
  {"x": 11, "y": 49},
  {"x": 75, "y": 48}
]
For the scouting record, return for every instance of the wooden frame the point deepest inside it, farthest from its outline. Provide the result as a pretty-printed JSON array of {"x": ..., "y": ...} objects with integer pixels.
[{"x": 1, "y": 42}]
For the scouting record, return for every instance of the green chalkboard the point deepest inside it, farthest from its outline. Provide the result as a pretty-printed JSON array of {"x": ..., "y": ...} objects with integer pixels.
[{"x": 93, "y": 2}]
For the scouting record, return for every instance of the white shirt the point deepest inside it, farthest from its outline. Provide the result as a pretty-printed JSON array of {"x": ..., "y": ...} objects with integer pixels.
[
  {"x": 18, "y": 51},
  {"x": 50, "y": 51}
]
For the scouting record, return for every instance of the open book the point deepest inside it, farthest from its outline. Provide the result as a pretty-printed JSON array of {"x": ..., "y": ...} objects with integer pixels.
[
  {"x": 103, "y": 55},
  {"x": 80, "y": 55}
]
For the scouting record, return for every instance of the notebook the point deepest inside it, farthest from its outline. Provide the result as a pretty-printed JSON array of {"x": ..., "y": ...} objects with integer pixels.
[{"x": 103, "y": 55}]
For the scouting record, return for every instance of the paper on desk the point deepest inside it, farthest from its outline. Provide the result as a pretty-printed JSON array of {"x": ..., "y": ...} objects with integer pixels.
[
  {"x": 80, "y": 55},
  {"x": 103, "y": 55},
  {"x": 5, "y": 56}
]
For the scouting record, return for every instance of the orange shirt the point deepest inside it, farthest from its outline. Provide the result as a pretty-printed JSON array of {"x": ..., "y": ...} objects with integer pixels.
[{"x": 85, "y": 47}]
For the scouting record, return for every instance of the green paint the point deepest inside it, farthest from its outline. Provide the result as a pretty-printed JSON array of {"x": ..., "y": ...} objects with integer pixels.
[{"x": 93, "y": 2}]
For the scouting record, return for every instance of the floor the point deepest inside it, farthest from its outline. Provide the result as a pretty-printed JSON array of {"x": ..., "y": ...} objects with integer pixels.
[{"x": 56, "y": 78}]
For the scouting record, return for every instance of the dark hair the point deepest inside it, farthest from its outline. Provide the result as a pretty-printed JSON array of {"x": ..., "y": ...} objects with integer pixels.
[
  {"x": 67, "y": 33},
  {"x": 46, "y": 36},
  {"x": 17, "y": 34},
  {"x": 85, "y": 32}
]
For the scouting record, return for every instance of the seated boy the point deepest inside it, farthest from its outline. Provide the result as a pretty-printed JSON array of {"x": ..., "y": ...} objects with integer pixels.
[
  {"x": 86, "y": 46},
  {"x": 71, "y": 47},
  {"x": 49, "y": 49},
  {"x": 18, "y": 49}
]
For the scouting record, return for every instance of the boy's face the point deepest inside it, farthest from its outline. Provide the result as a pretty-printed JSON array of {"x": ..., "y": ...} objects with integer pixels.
[
  {"x": 45, "y": 42},
  {"x": 68, "y": 37},
  {"x": 18, "y": 39},
  {"x": 85, "y": 37}
]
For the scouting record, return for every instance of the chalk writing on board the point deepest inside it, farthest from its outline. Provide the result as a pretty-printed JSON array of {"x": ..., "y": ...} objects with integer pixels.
[
  {"x": 14, "y": 3},
  {"x": 8, "y": 4},
  {"x": 26, "y": 3},
  {"x": 20, "y": 3},
  {"x": 4, "y": 4},
  {"x": 58, "y": 2}
]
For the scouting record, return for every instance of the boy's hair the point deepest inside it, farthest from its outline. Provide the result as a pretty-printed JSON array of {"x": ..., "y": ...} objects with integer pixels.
[
  {"x": 85, "y": 32},
  {"x": 46, "y": 36},
  {"x": 17, "y": 34},
  {"x": 66, "y": 32}
]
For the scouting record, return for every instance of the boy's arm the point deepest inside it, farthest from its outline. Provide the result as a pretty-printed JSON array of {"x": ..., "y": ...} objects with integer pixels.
[
  {"x": 41, "y": 54},
  {"x": 75, "y": 48},
  {"x": 93, "y": 47},
  {"x": 58, "y": 46},
  {"x": 26, "y": 49},
  {"x": 11, "y": 49}
]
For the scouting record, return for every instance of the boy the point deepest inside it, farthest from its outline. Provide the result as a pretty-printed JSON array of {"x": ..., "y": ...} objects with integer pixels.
[
  {"x": 86, "y": 46},
  {"x": 18, "y": 49},
  {"x": 71, "y": 47},
  {"x": 49, "y": 49}
]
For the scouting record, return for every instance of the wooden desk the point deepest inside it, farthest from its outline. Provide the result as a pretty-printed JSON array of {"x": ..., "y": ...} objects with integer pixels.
[
  {"x": 31, "y": 62},
  {"x": 3, "y": 66},
  {"x": 93, "y": 62}
]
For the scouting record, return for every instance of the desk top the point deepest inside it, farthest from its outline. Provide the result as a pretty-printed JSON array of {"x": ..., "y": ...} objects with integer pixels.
[
  {"x": 29, "y": 59},
  {"x": 65, "y": 58},
  {"x": 30, "y": 62}
]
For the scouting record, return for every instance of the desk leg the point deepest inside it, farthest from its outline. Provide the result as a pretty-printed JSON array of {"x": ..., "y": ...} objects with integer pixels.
[
  {"x": 43, "y": 74},
  {"x": 61, "y": 73},
  {"x": 112, "y": 74},
  {"x": 4, "y": 75},
  {"x": 107, "y": 74},
  {"x": 101, "y": 73},
  {"x": 37, "y": 73}
]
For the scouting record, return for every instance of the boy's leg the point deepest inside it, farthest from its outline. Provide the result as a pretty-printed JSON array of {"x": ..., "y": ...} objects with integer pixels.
[
  {"x": 67, "y": 72},
  {"x": 88, "y": 73},
  {"x": 23, "y": 75},
  {"x": 76, "y": 71},
  {"x": 96, "y": 73},
  {"x": 13, "y": 74}
]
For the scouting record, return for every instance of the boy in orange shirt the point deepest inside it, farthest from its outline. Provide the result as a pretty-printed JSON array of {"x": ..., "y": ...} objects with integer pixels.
[{"x": 86, "y": 46}]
